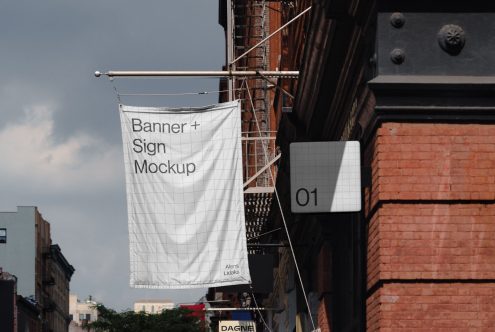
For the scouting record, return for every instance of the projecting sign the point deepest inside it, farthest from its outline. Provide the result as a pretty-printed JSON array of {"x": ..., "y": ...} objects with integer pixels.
[
  {"x": 325, "y": 177},
  {"x": 236, "y": 325}
]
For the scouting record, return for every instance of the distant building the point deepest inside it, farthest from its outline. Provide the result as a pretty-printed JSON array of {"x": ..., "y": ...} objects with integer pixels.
[
  {"x": 17, "y": 313},
  {"x": 153, "y": 306},
  {"x": 18, "y": 248},
  {"x": 28, "y": 315},
  {"x": 8, "y": 312},
  {"x": 82, "y": 313},
  {"x": 42, "y": 272}
]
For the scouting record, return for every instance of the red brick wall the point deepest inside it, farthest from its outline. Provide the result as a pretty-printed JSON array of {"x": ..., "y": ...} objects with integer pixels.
[
  {"x": 324, "y": 314},
  {"x": 434, "y": 162},
  {"x": 431, "y": 239},
  {"x": 432, "y": 307}
]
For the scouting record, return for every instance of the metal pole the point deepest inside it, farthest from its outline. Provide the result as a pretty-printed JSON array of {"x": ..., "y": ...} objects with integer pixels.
[
  {"x": 199, "y": 73},
  {"x": 272, "y": 34},
  {"x": 243, "y": 309},
  {"x": 230, "y": 45},
  {"x": 275, "y": 85}
]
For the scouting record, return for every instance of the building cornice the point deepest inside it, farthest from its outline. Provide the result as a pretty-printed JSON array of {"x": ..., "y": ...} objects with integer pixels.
[{"x": 57, "y": 256}]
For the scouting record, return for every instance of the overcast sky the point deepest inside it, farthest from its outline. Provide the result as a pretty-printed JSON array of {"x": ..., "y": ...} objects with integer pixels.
[{"x": 60, "y": 140}]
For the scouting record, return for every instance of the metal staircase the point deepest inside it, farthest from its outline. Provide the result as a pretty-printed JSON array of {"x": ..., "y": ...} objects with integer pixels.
[
  {"x": 249, "y": 28},
  {"x": 250, "y": 25}
]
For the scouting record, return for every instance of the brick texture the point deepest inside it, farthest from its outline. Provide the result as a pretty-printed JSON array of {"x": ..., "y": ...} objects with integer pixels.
[
  {"x": 432, "y": 307},
  {"x": 433, "y": 162},
  {"x": 432, "y": 241},
  {"x": 431, "y": 235},
  {"x": 324, "y": 314}
]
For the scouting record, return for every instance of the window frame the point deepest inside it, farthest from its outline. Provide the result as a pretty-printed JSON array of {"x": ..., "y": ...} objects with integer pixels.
[{"x": 3, "y": 238}]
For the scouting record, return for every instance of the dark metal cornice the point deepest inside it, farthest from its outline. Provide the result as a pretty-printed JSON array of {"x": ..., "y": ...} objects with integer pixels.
[
  {"x": 432, "y": 99},
  {"x": 444, "y": 82}
]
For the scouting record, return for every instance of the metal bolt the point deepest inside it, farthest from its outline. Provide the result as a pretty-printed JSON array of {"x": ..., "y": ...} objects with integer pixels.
[
  {"x": 397, "y": 20},
  {"x": 451, "y": 39},
  {"x": 397, "y": 56}
]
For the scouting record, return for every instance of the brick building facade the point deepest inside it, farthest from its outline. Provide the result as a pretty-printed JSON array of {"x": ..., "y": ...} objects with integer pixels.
[
  {"x": 42, "y": 272},
  {"x": 413, "y": 82}
]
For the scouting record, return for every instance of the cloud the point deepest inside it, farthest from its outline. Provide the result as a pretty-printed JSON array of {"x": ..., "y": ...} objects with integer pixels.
[
  {"x": 59, "y": 131},
  {"x": 31, "y": 154}
]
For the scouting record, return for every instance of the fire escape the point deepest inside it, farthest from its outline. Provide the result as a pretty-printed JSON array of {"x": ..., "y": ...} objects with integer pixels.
[
  {"x": 250, "y": 25},
  {"x": 257, "y": 38}
]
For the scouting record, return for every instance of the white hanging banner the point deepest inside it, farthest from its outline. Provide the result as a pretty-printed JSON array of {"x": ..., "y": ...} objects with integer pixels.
[{"x": 184, "y": 196}]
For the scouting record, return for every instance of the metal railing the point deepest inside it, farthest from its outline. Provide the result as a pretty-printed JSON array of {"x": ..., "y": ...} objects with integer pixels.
[{"x": 257, "y": 164}]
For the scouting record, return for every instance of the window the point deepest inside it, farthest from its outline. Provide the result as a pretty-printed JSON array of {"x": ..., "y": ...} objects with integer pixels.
[
  {"x": 88, "y": 317},
  {"x": 3, "y": 235},
  {"x": 82, "y": 317}
]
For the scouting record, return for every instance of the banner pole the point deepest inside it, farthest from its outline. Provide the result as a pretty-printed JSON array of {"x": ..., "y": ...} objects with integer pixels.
[
  {"x": 204, "y": 73},
  {"x": 230, "y": 46}
]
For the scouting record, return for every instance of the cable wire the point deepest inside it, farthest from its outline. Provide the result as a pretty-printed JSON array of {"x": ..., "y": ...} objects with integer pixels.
[
  {"x": 282, "y": 212},
  {"x": 175, "y": 94},
  {"x": 271, "y": 35},
  {"x": 257, "y": 308},
  {"x": 116, "y": 92}
]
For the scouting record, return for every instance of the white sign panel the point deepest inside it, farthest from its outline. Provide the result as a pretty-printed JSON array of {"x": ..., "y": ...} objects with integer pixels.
[
  {"x": 236, "y": 325},
  {"x": 184, "y": 196},
  {"x": 325, "y": 177}
]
